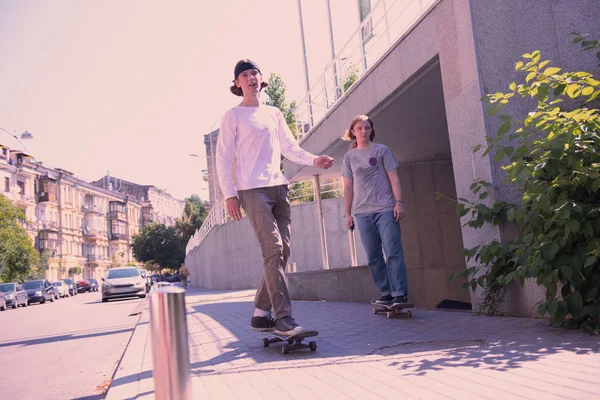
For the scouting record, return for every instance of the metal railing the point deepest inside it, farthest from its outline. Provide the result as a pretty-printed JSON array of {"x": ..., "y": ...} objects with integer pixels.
[
  {"x": 300, "y": 192},
  {"x": 387, "y": 21}
]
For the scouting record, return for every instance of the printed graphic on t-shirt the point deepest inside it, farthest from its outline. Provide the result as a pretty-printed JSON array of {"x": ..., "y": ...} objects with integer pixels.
[{"x": 373, "y": 161}]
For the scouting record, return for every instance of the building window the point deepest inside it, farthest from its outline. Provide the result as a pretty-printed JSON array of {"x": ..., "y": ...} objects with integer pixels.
[
  {"x": 6, "y": 184},
  {"x": 4, "y": 151},
  {"x": 21, "y": 187}
]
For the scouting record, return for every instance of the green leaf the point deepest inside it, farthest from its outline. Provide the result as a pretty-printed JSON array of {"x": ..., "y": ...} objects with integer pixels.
[
  {"x": 476, "y": 148},
  {"x": 591, "y": 260},
  {"x": 504, "y": 128},
  {"x": 573, "y": 90},
  {"x": 551, "y": 307},
  {"x": 499, "y": 155},
  {"x": 483, "y": 195},
  {"x": 541, "y": 310},
  {"x": 593, "y": 96},
  {"x": 543, "y": 93},
  {"x": 566, "y": 271},
  {"x": 560, "y": 89},
  {"x": 530, "y": 76},
  {"x": 573, "y": 225},
  {"x": 550, "y": 251},
  {"x": 512, "y": 86},
  {"x": 587, "y": 90},
  {"x": 575, "y": 303},
  {"x": 551, "y": 71}
]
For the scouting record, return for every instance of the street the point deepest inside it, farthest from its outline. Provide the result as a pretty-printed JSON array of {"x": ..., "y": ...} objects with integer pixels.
[{"x": 65, "y": 349}]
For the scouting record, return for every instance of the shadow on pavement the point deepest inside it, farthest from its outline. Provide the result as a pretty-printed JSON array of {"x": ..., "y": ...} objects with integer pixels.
[{"x": 70, "y": 336}]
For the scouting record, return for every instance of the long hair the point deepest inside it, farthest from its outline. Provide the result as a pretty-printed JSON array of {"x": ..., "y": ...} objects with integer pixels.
[{"x": 349, "y": 133}]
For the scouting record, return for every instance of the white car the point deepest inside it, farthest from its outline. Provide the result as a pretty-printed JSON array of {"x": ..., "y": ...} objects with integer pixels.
[
  {"x": 63, "y": 288},
  {"x": 123, "y": 282}
]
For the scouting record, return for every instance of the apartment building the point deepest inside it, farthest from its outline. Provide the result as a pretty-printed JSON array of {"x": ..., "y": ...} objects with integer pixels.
[
  {"x": 81, "y": 224},
  {"x": 157, "y": 205}
]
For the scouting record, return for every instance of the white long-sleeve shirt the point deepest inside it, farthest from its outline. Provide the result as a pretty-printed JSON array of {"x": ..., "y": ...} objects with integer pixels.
[{"x": 255, "y": 137}]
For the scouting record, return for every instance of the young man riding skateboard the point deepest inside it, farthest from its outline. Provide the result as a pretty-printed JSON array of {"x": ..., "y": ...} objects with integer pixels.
[{"x": 255, "y": 135}]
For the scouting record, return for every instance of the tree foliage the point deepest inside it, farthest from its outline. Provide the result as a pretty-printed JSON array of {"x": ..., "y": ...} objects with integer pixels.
[
  {"x": 194, "y": 213},
  {"x": 159, "y": 244},
  {"x": 17, "y": 254},
  {"x": 553, "y": 158},
  {"x": 350, "y": 76},
  {"x": 276, "y": 98}
]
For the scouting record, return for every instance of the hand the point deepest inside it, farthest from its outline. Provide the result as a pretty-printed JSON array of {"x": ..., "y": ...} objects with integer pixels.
[
  {"x": 233, "y": 208},
  {"x": 398, "y": 211},
  {"x": 349, "y": 222},
  {"x": 324, "y": 162}
]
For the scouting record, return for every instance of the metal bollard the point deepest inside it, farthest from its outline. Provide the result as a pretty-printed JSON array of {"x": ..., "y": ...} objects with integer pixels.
[
  {"x": 352, "y": 241},
  {"x": 170, "y": 350}
]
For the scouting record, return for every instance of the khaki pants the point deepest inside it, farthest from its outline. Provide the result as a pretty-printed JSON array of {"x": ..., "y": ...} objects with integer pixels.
[{"x": 269, "y": 214}]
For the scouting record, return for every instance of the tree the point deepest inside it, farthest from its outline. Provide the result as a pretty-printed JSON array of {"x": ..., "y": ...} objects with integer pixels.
[
  {"x": 40, "y": 269},
  {"x": 74, "y": 270},
  {"x": 554, "y": 162},
  {"x": 17, "y": 253},
  {"x": 350, "y": 76},
  {"x": 276, "y": 93},
  {"x": 159, "y": 244},
  {"x": 194, "y": 213}
]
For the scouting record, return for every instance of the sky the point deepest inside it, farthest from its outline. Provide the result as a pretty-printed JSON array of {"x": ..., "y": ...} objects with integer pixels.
[{"x": 131, "y": 86}]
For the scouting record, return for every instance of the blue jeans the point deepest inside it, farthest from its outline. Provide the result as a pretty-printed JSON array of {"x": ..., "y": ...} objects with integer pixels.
[{"x": 379, "y": 229}]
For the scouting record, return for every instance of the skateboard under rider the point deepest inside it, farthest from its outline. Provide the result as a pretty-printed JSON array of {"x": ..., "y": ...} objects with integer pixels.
[
  {"x": 292, "y": 342},
  {"x": 392, "y": 310}
]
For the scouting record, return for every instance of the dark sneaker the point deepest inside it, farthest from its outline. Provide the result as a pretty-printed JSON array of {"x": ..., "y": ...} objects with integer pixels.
[
  {"x": 387, "y": 299},
  {"x": 287, "y": 326},
  {"x": 399, "y": 300},
  {"x": 263, "y": 324}
]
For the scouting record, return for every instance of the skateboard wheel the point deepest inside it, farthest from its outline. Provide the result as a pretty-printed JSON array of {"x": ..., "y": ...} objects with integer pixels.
[
  {"x": 409, "y": 313},
  {"x": 388, "y": 314},
  {"x": 312, "y": 346},
  {"x": 374, "y": 311},
  {"x": 265, "y": 342},
  {"x": 285, "y": 348}
]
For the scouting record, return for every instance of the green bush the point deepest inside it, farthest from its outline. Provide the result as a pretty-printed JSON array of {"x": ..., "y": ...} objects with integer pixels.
[{"x": 552, "y": 156}]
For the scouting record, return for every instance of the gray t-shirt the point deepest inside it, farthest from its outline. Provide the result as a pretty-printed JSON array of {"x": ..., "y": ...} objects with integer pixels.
[{"x": 368, "y": 168}]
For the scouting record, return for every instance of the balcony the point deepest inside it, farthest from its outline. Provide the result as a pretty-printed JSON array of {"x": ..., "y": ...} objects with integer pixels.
[
  {"x": 48, "y": 226},
  {"x": 91, "y": 208},
  {"x": 23, "y": 200},
  {"x": 118, "y": 215},
  {"x": 47, "y": 197},
  {"x": 95, "y": 257},
  {"x": 93, "y": 234},
  {"x": 119, "y": 237}
]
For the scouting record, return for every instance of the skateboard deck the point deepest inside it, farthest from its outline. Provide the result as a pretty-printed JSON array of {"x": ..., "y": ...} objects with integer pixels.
[
  {"x": 291, "y": 342},
  {"x": 392, "y": 310}
]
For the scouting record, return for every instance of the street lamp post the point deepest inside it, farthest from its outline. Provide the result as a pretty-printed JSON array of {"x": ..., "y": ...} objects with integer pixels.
[{"x": 215, "y": 186}]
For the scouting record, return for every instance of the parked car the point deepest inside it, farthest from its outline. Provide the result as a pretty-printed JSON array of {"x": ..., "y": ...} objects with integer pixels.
[
  {"x": 2, "y": 302},
  {"x": 93, "y": 284},
  {"x": 39, "y": 291},
  {"x": 83, "y": 286},
  {"x": 62, "y": 288},
  {"x": 72, "y": 286},
  {"x": 123, "y": 282},
  {"x": 14, "y": 295}
]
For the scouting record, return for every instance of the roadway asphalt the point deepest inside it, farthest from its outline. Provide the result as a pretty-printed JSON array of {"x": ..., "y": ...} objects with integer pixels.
[{"x": 65, "y": 349}]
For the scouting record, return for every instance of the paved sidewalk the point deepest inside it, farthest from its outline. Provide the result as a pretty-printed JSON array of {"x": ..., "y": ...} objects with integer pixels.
[{"x": 434, "y": 355}]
